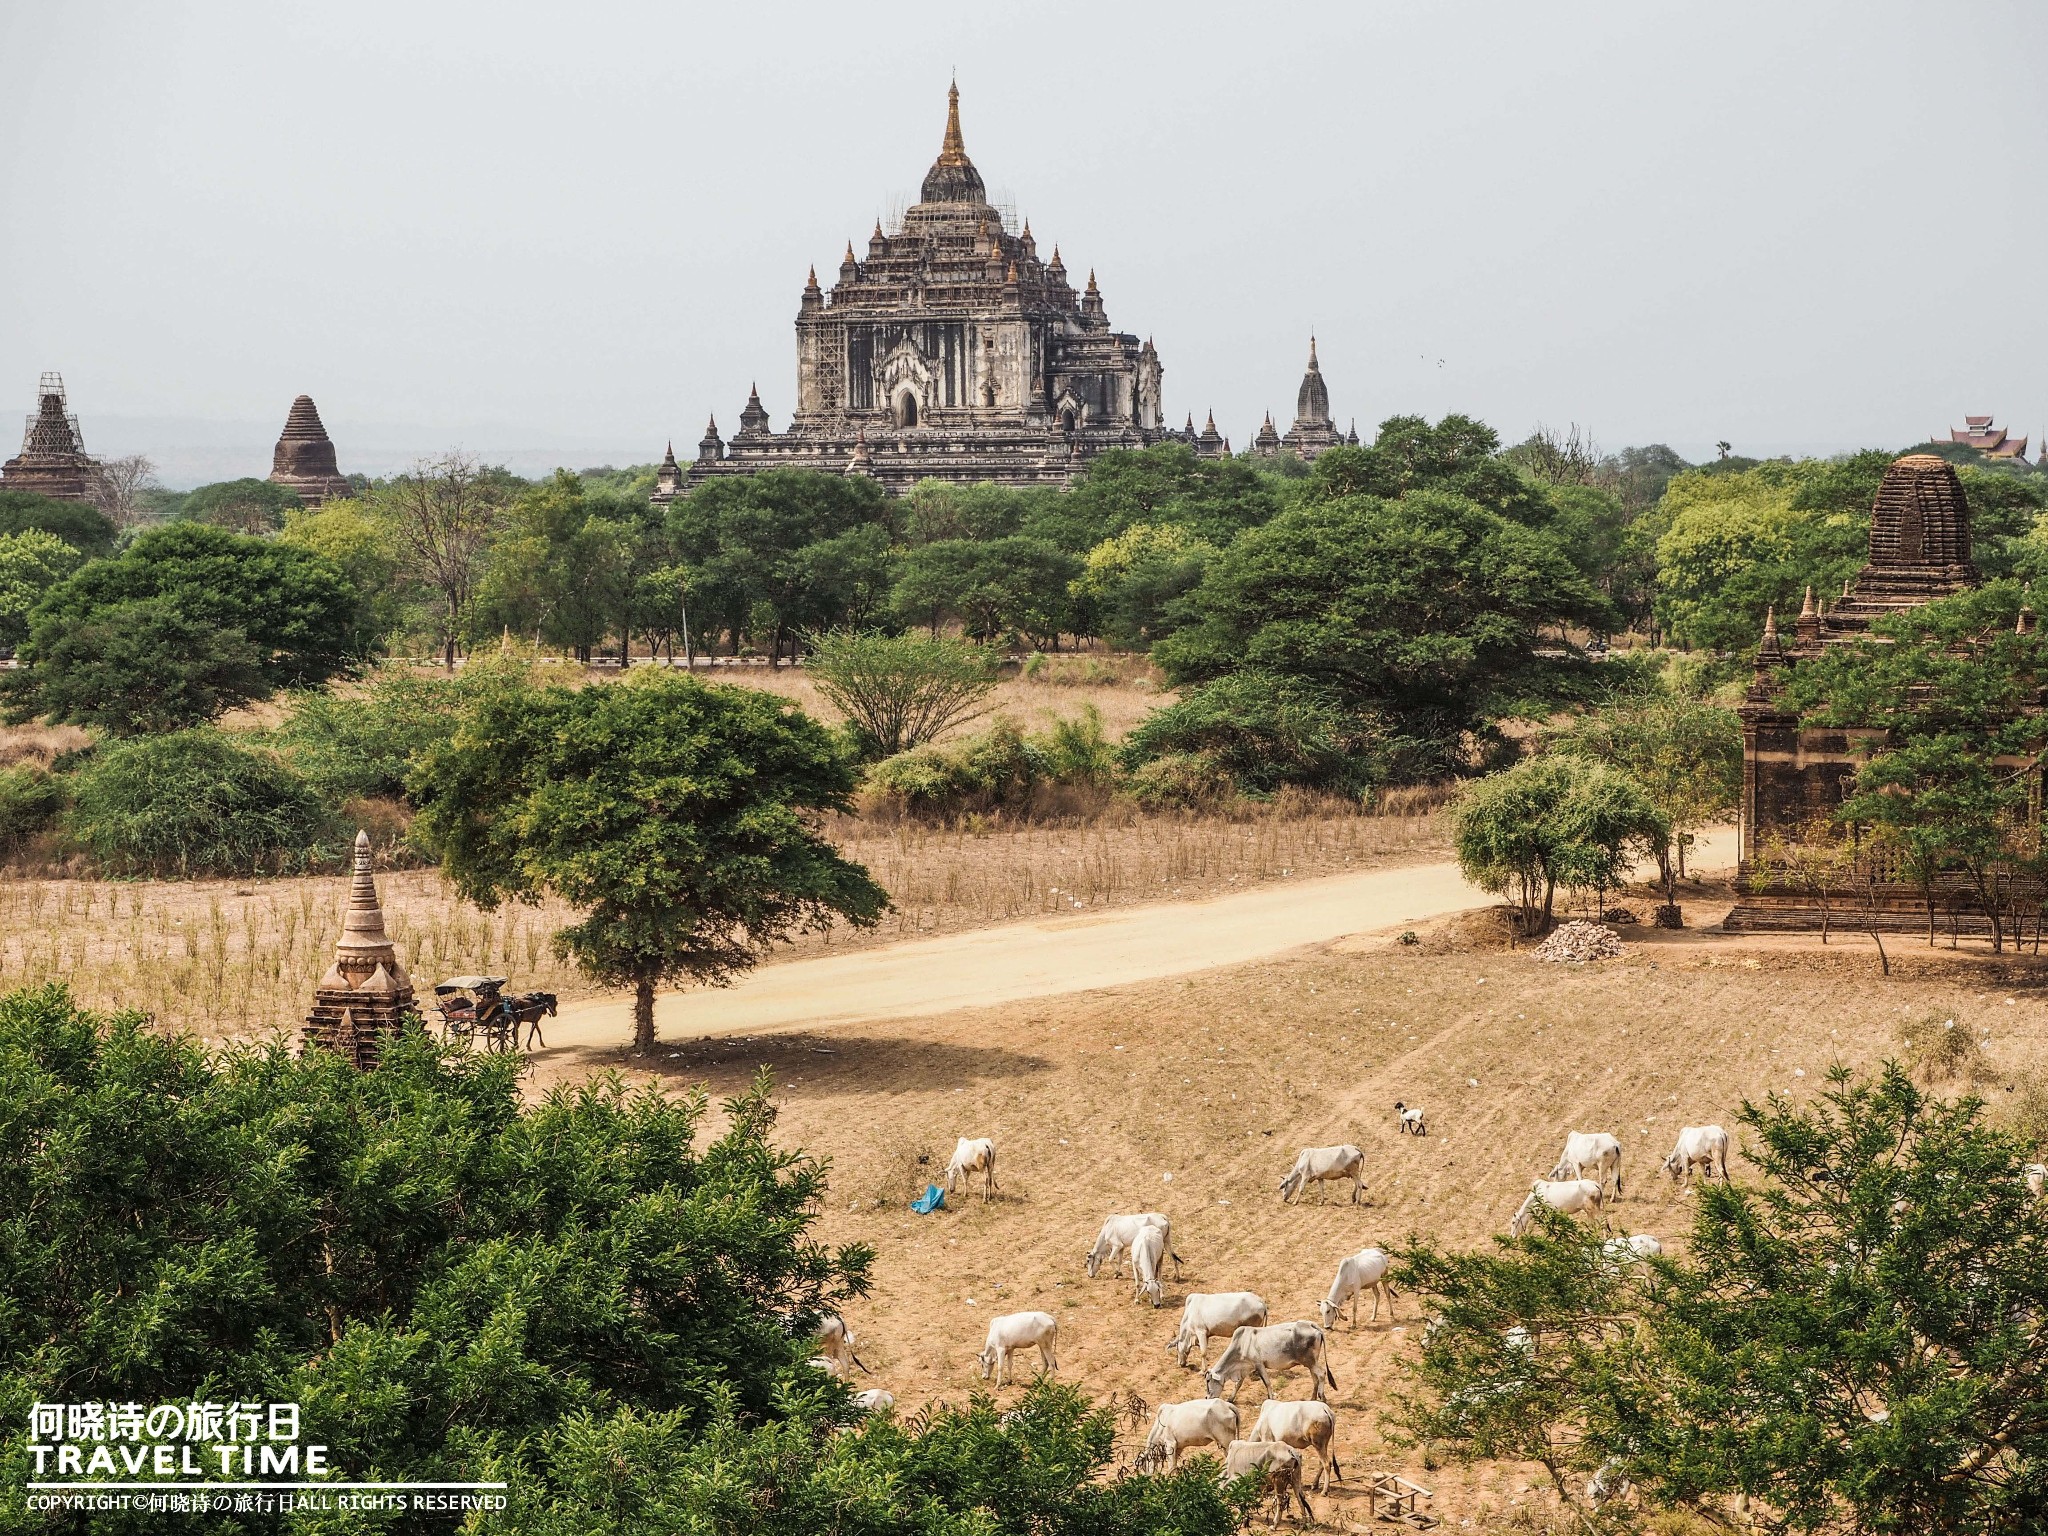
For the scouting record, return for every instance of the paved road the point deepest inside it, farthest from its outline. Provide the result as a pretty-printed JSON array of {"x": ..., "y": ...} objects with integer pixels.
[{"x": 987, "y": 966}]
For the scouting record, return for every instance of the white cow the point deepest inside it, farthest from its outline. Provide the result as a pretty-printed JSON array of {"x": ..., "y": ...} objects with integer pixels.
[
  {"x": 1269, "y": 1354},
  {"x": 1278, "y": 1468},
  {"x": 1607, "y": 1484},
  {"x": 1567, "y": 1195},
  {"x": 2036, "y": 1175},
  {"x": 1595, "y": 1150},
  {"x": 976, "y": 1156},
  {"x": 835, "y": 1340},
  {"x": 874, "y": 1400},
  {"x": 1626, "y": 1250},
  {"x": 1019, "y": 1330},
  {"x": 1699, "y": 1146},
  {"x": 1303, "y": 1425},
  {"x": 1148, "y": 1256},
  {"x": 1198, "y": 1421},
  {"x": 1318, "y": 1164},
  {"x": 1213, "y": 1312},
  {"x": 1113, "y": 1242},
  {"x": 1365, "y": 1270},
  {"x": 827, "y": 1364},
  {"x": 1411, "y": 1119}
]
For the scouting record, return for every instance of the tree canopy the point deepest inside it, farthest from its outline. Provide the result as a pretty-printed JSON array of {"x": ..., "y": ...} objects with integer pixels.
[
  {"x": 1429, "y": 608},
  {"x": 1853, "y": 1344},
  {"x": 679, "y": 816},
  {"x": 185, "y": 622}
]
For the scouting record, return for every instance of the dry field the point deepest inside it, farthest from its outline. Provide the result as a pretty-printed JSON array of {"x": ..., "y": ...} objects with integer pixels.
[
  {"x": 1192, "y": 1096},
  {"x": 235, "y": 958}
]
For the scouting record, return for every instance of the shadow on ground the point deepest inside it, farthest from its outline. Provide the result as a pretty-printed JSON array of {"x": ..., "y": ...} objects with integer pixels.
[{"x": 817, "y": 1063}]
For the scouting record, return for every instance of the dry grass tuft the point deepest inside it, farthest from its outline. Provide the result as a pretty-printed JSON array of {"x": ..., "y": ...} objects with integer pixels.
[
  {"x": 1940, "y": 1050},
  {"x": 38, "y": 746}
]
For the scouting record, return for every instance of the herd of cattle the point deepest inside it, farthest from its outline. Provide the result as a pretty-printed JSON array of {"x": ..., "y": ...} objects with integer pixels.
[{"x": 1256, "y": 1346}]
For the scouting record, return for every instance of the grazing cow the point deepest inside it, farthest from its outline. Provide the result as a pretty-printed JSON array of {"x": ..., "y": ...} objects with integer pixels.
[
  {"x": 1278, "y": 1468},
  {"x": 1113, "y": 1242},
  {"x": 976, "y": 1156},
  {"x": 1411, "y": 1119},
  {"x": 1148, "y": 1256},
  {"x": 827, "y": 1364},
  {"x": 1199, "y": 1421},
  {"x": 1302, "y": 1425},
  {"x": 835, "y": 1341},
  {"x": 1269, "y": 1354},
  {"x": 1365, "y": 1270},
  {"x": 1627, "y": 1250},
  {"x": 1699, "y": 1146},
  {"x": 1019, "y": 1330},
  {"x": 874, "y": 1400},
  {"x": 1568, "y": 1195},
  {"x": 2036, "y": 1175},
  {"x": 1213, "y": 1312},
  {"x": 1318, "y": 1164},
  {"x": 1607, "y": 1484},
  {"x": 1595, "y": 1150}
]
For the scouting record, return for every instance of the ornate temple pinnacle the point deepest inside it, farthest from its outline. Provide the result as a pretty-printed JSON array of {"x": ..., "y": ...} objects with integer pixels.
[
  {"x": 953, "y": 151},
  {"x": 1312, "y": 353},
  {"x": 362, "y": 923}
]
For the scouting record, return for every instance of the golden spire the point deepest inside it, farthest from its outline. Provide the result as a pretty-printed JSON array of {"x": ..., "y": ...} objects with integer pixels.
[
  {"x": 954, "y": 150},
  {"x": 1091, "y": 280},
  {"x": 1011, "y": 277},
  {"x": 849, "y": 250},
  {"x": 812, "y": 281}
]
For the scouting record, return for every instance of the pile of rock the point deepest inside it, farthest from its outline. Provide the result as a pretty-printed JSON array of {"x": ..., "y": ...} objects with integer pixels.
[{"x": 1576, "y": 943}]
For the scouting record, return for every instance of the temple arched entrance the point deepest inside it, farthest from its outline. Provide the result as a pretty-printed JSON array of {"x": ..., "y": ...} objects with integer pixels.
[{"x": 906, "y": 408}]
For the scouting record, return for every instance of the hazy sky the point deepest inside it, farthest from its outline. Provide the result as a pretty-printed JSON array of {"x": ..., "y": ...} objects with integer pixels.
[{"x": 578, "y": 229}]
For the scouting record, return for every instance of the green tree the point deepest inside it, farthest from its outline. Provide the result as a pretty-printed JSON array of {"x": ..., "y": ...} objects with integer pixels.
[
  {"x": 901, "y": 691},
  {"x": 361, "y": 542},
  {"x": 31, "y": 563},
  {"x": 444, "y": 514},
  {"x": 1685, "y": 753},
  {"x": 1854, "y": 1344},
  {"x": 1736, "y": 542},
  {"x": 1214, "y": 499},
  {"x": 1429, "y": 609},
  {"x": 1134, "y": 583},
  {"x": 219, "y": 618},
  {"x": 1262, "y": 732},
  {"x": 1552, "y": 821},
  {"x": 85, "y": 529},
  {"x": 753, "y": 544},
  {"x": 241, "y": 506},
  {"x": 680, "y": 817},
  {"x": 992, "y": 589}
]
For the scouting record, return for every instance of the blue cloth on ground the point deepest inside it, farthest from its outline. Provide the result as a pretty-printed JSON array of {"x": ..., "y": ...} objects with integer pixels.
[{"x": 932, "y": 1198}]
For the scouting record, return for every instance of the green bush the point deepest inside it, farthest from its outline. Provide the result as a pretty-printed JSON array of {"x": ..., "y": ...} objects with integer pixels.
[
  {"x": 31, "y": 800},
  {"x": 1179, "y": 781},
  {"x": 1264, "y": 731},
  {"x": 195, "y": 803},
  {"x": 362, "y": 745},
  {"x": 992, "y": 770}
]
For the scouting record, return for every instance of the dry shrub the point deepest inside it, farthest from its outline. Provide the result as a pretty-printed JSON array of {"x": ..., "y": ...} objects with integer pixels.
[
  {"x": 1413, "y": 799},
  {"x": 901, "y": 1168},
  {"x": 1940, "y": 1050},
  {"x": 39, "y": 746},
  {"x": 2024, "y": 1112}
]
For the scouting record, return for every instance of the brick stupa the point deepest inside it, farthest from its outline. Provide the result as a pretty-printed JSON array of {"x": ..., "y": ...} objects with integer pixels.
[
  {"x": 304, "y": 460},
  {"x": 53, "y": 460},
  {"x": 366, "y": 994}
]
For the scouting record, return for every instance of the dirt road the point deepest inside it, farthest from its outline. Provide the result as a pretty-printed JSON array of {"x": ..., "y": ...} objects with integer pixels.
[{"x": 1014, "y": 961}]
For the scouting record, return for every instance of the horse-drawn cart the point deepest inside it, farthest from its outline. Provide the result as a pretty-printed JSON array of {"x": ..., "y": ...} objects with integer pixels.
[{"x": 475, "y": 1008}]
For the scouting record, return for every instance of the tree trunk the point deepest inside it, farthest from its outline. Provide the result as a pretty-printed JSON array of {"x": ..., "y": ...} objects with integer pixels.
[
  {"x": 448, "y": 651},
  {"x": 643, "y": 1015}
]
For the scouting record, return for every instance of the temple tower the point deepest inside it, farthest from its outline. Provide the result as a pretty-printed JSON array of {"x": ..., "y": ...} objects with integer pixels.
[
  {"x": 304, "y": 460},
  {"x": 366, "y": 994},
  {"x": 53, "y": 460},
  {"x": 1313, "y": 430}
]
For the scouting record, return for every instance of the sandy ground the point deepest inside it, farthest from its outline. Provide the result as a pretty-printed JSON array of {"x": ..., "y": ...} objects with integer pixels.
[
  {"x": 1190, "y": 1093},
  {"x": 1016, "y": 961}
]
